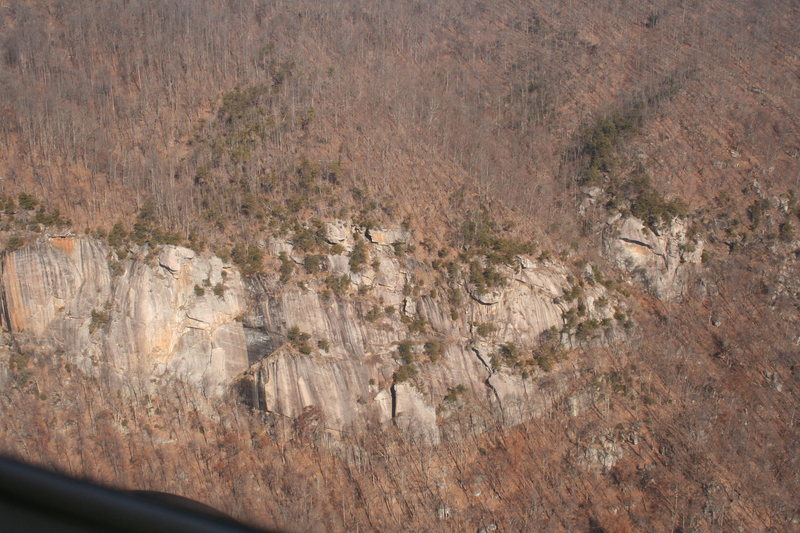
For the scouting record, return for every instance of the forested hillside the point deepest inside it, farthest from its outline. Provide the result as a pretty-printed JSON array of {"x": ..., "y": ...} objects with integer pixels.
[
  {"x": 109, "y": 103},
  {"x": 584, "y": 210}
]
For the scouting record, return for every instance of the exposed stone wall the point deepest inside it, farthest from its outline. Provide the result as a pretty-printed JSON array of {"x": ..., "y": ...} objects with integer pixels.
[{"x": 172, "y": 312}]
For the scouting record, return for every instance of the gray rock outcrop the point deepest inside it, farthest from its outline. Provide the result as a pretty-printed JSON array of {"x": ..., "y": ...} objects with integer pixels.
[
  {"x": 352, "y": 378},
  {"x": 661, "y": 260},
  {"x": 150, "y": 318},
  {"x": 387, "y": 236},
  {"x": 291, "y": 347}
]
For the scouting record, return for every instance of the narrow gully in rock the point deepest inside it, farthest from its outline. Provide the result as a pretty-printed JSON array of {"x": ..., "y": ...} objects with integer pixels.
[
  {"x": 488, "y": 383},
  {"x": 393, "y": 390},
  {"x": 5, "y": 319}
]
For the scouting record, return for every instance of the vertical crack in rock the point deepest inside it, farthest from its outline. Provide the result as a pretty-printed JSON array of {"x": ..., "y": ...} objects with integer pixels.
[
  {"x": 256, "y": 398},
  {"x": 5, "y": 320},
  {"x": 488, "y": 381},
  {"x": 393, "y": 390}
]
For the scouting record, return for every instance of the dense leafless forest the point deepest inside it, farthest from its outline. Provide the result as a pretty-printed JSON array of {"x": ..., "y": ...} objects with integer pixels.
[
  {"x": 102, "y": 101},
  {"x": 215, "y": 124}
]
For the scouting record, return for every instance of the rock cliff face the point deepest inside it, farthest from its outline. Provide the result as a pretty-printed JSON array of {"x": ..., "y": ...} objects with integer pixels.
[
  {"x": 148, "y": 318},
  {"x": 383, "y": 352},
  {"x": 59, "y": 279},
  {"x": 662, "y": 260},
  {"x": 354, "y": 377}
]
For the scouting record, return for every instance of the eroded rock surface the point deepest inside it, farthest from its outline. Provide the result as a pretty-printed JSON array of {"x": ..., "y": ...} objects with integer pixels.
[
  {"x": 293, "y": 347},
  {"x": 352, "y": 377},
  {"x": 158, "y": 315},
  {"x": 662, "y": 261}
]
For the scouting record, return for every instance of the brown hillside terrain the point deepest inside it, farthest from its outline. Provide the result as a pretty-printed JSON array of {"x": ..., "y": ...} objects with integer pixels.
[
  {"x": 411, "y": 101},
  {"x": 212, "y": 123}
]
